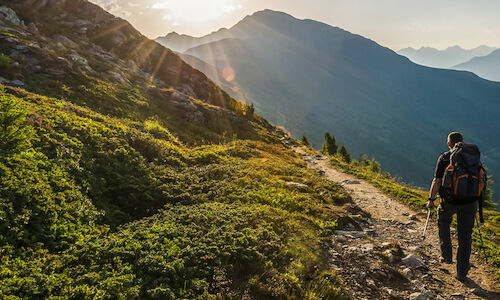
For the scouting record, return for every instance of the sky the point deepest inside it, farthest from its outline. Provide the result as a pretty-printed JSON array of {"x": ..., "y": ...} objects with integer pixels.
[{"x": 393, "y": 23}]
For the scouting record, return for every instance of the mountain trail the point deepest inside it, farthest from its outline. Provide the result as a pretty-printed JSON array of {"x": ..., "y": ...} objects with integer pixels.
[{"x": 382, "y": 254}]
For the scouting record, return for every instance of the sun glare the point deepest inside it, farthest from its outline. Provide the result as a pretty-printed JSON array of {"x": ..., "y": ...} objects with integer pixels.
[{"x": 195, "y": 11}]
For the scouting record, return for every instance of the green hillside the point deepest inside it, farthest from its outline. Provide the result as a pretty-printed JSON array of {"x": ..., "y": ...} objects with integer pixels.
[
  {"x": 125, "y": 173},
  {"x": 96, "y": 206}
]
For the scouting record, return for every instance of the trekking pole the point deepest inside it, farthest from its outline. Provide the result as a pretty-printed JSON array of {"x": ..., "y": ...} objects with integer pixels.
[
  {"x": 427, "y": 222},
  {"x": 481, "y": 238}
]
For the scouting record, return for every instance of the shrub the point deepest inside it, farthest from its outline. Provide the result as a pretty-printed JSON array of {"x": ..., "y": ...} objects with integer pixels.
[{"x": 13, "y": 135}]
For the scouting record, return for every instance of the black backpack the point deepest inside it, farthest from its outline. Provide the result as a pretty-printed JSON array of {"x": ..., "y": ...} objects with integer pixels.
[{"x": 465, "y": 178}]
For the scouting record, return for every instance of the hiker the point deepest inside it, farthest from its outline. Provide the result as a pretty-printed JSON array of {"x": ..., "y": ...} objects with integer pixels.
[{"x": 460, "y": 181}]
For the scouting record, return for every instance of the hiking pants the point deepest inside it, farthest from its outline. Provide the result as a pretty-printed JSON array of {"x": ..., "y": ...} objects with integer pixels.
[{"x": 466, "y": 214}]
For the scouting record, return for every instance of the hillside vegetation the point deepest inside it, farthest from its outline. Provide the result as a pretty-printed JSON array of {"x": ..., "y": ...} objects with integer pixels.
[
  {"x": 126, "y": 173},
  {"x": 95, "y": 206}
]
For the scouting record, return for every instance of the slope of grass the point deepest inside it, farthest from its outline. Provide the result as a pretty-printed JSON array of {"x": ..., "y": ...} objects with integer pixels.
[{"x": 95, "y": 206}]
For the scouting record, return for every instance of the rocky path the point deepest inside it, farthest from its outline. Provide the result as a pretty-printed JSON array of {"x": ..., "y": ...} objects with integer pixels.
[{"x": 382, "y": 255}]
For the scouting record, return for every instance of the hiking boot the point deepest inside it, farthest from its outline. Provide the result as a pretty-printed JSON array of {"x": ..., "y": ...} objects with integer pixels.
[{"x": 445, "y": 260}]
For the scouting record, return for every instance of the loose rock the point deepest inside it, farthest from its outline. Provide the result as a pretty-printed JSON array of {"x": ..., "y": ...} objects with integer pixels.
[{"x": 413, "y": 261}]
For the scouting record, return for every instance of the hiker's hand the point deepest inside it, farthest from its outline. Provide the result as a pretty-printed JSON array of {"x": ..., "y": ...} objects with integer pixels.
[{"x": 430, "y": 203}]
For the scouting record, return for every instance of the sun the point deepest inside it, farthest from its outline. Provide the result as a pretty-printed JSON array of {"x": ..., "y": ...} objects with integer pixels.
[{"x": 195, "y": 11}]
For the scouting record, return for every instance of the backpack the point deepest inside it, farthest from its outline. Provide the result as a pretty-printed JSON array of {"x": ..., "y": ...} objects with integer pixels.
[{"x": 465, "y": 178}]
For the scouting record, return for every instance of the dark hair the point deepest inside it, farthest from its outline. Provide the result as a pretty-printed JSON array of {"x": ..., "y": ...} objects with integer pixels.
[{"x": 455, "y": 137}]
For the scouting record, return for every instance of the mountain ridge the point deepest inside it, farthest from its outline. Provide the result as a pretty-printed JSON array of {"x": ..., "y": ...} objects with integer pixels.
[
  {"x": 487, "y": 67},
  {"x": 361, "y": 71},
  {"x": 446, "y": 58}
]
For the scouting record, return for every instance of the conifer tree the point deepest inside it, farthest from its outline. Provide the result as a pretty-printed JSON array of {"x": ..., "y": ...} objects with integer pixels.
[
  {"x": 342, "y": 151},
  {"x": 305, "y": 141},
  {"x": 330, "y": 145}
]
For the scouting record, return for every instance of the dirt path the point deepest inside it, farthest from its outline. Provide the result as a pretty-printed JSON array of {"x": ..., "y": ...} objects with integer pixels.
[{"x": 383, "y": 255}]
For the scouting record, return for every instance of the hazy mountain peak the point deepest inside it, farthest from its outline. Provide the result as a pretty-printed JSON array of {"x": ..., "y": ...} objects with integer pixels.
[
  {"x": 487, "y": 66},
  {"x": 447, "y": 58}
]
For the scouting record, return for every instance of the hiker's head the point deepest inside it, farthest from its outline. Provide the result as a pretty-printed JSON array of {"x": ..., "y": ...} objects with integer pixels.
[{"x": 453, "y": 138}]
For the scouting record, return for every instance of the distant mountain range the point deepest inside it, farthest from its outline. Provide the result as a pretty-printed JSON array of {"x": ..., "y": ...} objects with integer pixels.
[
  {"x": 447, "y": 58},
  {"x": 311, "y": 78},
  {"x": 485, "y": 66},
  {"x": 181, "y": 42}
]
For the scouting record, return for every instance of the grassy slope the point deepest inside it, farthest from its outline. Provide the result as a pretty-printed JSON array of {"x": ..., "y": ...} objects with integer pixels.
[
  {"x": 417, "y": 198},
  {"x": 96, "y": 206}
]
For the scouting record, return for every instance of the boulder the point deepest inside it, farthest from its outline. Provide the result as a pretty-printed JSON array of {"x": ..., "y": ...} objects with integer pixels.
[{"x": 9, "y": 15}]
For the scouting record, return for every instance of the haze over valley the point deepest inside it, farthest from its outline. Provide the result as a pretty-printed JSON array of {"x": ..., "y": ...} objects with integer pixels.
[{"x": 311, "y": 78}]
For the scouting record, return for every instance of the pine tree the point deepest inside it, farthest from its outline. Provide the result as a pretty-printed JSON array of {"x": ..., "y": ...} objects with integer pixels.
[
  {"x": 305, "y": 141},
  {"x": 330, "y": 145},
  {"x": 342, "y": 151}
]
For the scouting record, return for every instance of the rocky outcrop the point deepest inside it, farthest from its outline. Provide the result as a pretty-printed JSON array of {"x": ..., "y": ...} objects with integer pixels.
[{"x": 9, "y": 15}]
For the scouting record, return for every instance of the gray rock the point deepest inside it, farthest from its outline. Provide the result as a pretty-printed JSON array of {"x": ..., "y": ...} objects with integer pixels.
[
  {"x": 9, "y": 15},
  {"x": 366, "y": 248},
  {"x": 407, "y": 272},
  {"x": 15, "y": 83},
  {"x": 295, "y": 184},
  {"x": 3, "y": 80},
  {"x": 21, "y": 48},
  {"x": 341, "y": 239},
  {"x": 196, "y": 116},
  {"x": 390, "y": 292},
  {"x": 78, "y": 59},
  {"x": 351, "y": 234},
  {"x": 390, "y": 256},
  {"x": 120, "y": 78},
  {"x": 33, "y": 28},
  {"x": 60, "y": 47},
  {"x": 351, "y": 182},
  {"x": 65, "y": 41},
  {"x": 413, "y": 261},
  {"x": 413, "y": 217},
  {"x": 414, "y": 248},
  {"x": 422, "y": 296},
  {"x": 64, "y": 62}
]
